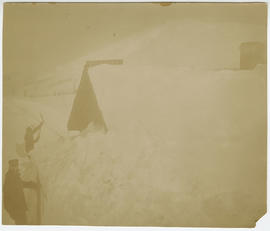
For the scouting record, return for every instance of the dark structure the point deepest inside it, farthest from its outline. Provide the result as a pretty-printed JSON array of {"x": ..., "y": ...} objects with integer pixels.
[{"x": 85, "y": 107}]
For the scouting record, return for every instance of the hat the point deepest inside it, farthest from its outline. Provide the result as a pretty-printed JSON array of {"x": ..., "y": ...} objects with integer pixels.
[{"x": 13, "y": 162}]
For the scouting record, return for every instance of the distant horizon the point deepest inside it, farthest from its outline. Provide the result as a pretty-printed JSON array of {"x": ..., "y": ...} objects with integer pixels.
[{"x": 39, "y": 37}]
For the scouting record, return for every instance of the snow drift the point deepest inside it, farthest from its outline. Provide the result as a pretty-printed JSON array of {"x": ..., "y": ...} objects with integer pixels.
[{"x": 183, "y": 141}]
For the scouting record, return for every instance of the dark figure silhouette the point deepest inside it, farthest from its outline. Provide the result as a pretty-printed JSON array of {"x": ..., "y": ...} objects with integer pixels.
[
  {"x": 29, "y": 137},
  {"x": 13, "y": 195}
]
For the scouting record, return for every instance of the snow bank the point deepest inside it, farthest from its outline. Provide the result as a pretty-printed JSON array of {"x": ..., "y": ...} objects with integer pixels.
[
  {"x": 168, "y": 128},
  {"x": 176, "y": 133}
]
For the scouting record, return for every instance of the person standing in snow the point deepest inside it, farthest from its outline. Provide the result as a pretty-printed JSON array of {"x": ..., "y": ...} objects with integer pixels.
[
  {"x": 13, "y": 194},
  {"x": 29, "y": 137}
]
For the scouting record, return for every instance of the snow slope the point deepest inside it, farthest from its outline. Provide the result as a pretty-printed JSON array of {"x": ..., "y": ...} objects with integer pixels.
[
  {"x": 182, "y": 44},
  {"x": 183, "y": 142}
]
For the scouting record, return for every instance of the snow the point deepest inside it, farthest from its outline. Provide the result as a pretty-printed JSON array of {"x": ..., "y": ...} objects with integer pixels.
[{"x": 182, "y": 142}]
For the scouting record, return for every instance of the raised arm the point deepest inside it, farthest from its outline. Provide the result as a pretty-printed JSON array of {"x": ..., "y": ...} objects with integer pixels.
[
  {"x": 37, "y": 139},
  {"x": 38, "y": 127}
]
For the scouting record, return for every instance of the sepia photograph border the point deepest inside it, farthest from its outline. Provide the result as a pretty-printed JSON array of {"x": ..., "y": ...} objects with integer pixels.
[{"x": 262, "y": 224}]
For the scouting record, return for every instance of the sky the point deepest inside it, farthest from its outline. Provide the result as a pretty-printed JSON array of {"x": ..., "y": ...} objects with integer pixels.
[{"x": 38, "y": 37}]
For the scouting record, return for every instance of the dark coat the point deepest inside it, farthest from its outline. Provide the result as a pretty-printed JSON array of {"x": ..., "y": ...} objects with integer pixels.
[{"x": 13, "y": 195}]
